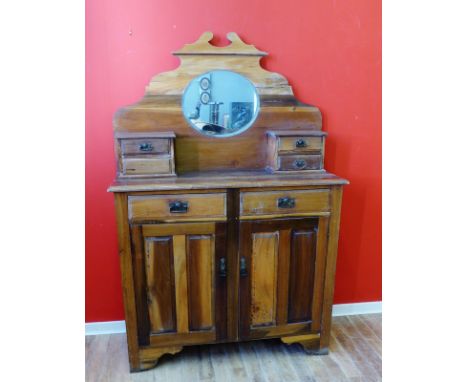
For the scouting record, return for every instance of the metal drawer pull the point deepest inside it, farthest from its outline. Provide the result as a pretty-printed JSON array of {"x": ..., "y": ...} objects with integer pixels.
[
  {"x": 146, "y": 147},
  {"x": 299, "y": 163},
  {"x": 178, "y": 207},
  {"x": 301, "y": 143},
  {"x": 222, "y": 267},
  {"x": 243, "y": 267},
  {"x": 286, "y": 202}
]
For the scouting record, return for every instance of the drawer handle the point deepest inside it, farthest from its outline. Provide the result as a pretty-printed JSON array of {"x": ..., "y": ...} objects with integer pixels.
[
  {"x": 299, "y": 163},
  {"x": 222, "y": 268},
  {"x": 243, "y": 267},
  {"x": 178, "y": 207},
  {"x": 286, "y": 202},
  {"x": 301, "y": 143},
  {"x": 146, "y": 147}
]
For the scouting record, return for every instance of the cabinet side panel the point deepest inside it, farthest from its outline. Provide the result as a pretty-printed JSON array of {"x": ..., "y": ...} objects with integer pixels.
[
  {"x": 160, "y": 284},
  {"x": 264, "y": 262},
  {"x": 301, "y": 276},
  {"x": 200, "y": 253}
]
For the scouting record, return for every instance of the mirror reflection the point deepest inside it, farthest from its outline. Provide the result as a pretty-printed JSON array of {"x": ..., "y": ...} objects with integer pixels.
[{"x": 220, "y": 103}]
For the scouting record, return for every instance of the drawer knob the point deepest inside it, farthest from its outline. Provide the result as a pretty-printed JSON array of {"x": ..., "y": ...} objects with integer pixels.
[
  {"x": 146, "y": 147},
  {"x": 178, "y": 207},
  {"x": 299, "y": 163},
  {"x": 286, "y": 202},
  {"x": 222, "y": 268},
  {"x": 243, "y": 267},
  {"x": 301, "y": 143}
]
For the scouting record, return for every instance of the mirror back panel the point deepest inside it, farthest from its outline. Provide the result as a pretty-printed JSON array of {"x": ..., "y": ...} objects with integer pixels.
[{"x": 160, "y": 110}]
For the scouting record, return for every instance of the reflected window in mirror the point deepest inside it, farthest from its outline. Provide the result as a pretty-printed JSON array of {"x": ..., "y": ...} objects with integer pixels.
[{"x": 220, "y": 103}]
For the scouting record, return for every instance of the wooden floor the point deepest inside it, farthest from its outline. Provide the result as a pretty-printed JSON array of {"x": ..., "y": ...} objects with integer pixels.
[{"x": 355, "y": 355}]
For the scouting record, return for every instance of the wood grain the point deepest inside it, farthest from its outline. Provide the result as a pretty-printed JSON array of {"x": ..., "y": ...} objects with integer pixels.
[
  {"x": 126, "y": 271},
  {"x": 289, "y": 144},
  {"x": 301, "y": 275},
  {"x": 212, "y": 206},
  {"x": 160, "y": 284},
  {"x": 148, "y": 165},
  {"x": 264, "y": 203},
  {"x": 133, "y": 146},
  {"x": 332, "y": 251},
  {"x": 180, "y": 276},
  {"x": 200, "y": 255},
  {"x": 260, "y": 361},
  {"x": 264, "y": 271},
  {"x": 222, "y": 180},
  {"x": 289, "y": 162}
]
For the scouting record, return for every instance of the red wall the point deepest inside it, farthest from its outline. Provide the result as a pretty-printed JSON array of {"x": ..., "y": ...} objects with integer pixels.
[{"x": 330, "y": 51}]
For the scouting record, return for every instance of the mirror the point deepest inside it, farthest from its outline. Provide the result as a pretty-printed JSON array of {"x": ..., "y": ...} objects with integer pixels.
[{"x": 220, "y": 103}]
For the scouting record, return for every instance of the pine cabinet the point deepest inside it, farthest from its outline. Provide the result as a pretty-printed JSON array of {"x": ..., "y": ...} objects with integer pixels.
[{"x": 227, "y": 219}]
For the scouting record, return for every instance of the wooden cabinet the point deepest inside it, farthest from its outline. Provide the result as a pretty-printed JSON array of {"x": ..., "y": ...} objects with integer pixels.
[{"x": 227, "y": 221}]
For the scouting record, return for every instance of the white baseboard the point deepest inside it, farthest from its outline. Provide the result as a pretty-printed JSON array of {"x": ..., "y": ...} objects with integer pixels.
[
  {"x": 105, "y": 327},
  {"x": 113, "y": 327},
  {"x": 357, "y": 308}
]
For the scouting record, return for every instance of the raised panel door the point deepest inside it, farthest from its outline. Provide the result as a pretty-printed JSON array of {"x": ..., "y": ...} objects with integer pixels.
[
  {"x": 182, "y": 290},
  {"x": 281, "y": 278}
]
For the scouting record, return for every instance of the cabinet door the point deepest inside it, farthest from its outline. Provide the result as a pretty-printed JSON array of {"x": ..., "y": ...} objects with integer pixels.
[
  {"x": 180, "y": 283},
  {"x": 282, "y": 265}
]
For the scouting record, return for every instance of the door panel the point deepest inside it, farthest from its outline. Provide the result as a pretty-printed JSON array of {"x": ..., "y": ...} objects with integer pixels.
[
  {"x": 283, "y": 258},
  {"x": 200, "y": 254},
  {"x": 181, "y": 282},
  {"x": 301, "y": 274},
  {"x": 160, "y": 284},
  {"x": 263, "y": 278}
]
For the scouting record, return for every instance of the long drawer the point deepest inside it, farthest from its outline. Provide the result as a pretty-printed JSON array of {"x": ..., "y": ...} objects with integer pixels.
[
  {"x": 254, "y": 203},
  {"x": 177, "y": 207}
]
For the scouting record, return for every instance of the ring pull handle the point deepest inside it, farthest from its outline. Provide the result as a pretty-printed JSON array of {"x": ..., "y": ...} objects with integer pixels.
[
  {"x": 301, "y": 143},
  {"x": 178, "y": 207},
  {"x": 243, "y": 267},
  {"x": 222, "y": 268},
  {"x": 146, "y": 147},
  {"x": 286, "y": 202},
  {"x": 299, "y": 163}
]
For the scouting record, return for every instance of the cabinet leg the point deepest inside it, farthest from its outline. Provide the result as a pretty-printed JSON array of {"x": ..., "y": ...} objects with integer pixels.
[
  {"x": 309, "y": 342},
  {"x": 149, "y": 357}
]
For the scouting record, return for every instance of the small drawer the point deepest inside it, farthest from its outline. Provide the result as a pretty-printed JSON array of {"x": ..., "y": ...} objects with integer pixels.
[
  {"x": 299, "y": 162},
  {"x": 300, "y": 144},
  {"x": 143, "y": 146},
  {"x": 284, "y": 202},
  {"x": 147, "y": 165},
  {"x": 178, "y": 207}
]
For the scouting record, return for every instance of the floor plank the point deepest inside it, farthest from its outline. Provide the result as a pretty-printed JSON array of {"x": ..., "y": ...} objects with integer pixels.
[{"x": 355, "y": 355}]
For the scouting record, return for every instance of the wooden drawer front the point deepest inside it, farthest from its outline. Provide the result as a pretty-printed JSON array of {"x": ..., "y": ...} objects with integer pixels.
[
  {"x": 299, "y": 162},
  {"x": 146, "y": 166},
  {"x": 145, "y": 146},
  {"x": 179, "y": 207},
  {"x": 300, "y": 144},
  {"x": 284, "y": 202}
]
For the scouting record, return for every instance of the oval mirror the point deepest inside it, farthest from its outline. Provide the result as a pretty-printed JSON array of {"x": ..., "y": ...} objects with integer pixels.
[{"x": 220, "y": 103}]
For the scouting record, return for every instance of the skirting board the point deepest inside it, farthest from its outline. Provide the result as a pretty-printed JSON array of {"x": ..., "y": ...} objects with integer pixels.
[{"x": 113, "y": 327}]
